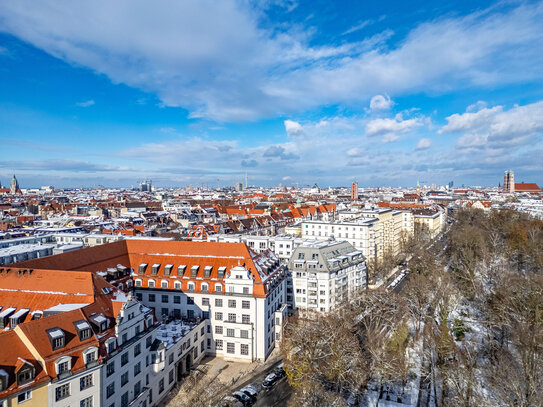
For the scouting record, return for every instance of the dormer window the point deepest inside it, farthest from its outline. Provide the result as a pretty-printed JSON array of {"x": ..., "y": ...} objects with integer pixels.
[
  {"x": 100, "y": 321},
  {"x": 168, "y": 269},
  {"x": 63, "y": 365},
  {"x": 26, "y": 373},
  {"x": 207, "y": 271},
  {"x": 181, "y": 269},
  {"x": 56, "y": 337},
  {"x": 83, "y": 329},
  {"x": 142, "y": 268},
  {"x": 154, "y": 269},
  {"x": 194, "y": 271},
  {"x": 220, "y": 272},
  {"x": 111, "y": 345},
  {"x": 90, "y": 355}
]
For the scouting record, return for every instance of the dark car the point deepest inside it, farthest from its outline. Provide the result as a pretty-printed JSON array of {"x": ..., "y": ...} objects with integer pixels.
[
  {"x": 279, "y": 371},
  {"x": 243, "y": 398}
]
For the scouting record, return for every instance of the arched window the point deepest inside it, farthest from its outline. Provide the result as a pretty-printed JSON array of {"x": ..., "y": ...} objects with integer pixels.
[
  {"x": 177, "y": 285},
  {"x": 90, "y": 355},
  {"x": 63, "y": 364},
  {"x": 151, "y": 283},
  {"x": 164, "y": 284},
  {"x": 190, "y": 287},
  {"x": 138, "y": 282},
  {"x": 218, "y": 288},
  {"x": 205, "y": 287}
]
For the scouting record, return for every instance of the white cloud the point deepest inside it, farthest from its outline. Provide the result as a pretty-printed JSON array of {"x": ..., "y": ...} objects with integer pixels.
[
  {"x": 495, "y": 127},
  {"x": 380, "y": 102},
  {"x": 424, "y": 144},
  {"x": 293, "y": 128},
  {"x": 214, "y": 59},
  {"x": 86, "y": 103},
  {"x": 391, "y": 128}
]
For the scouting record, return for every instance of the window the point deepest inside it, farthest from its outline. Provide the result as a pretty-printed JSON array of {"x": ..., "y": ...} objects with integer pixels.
[
  {"x": 244, "y": 334},
  {"x": 86, "y": 402},
  {"x": 177, "y": 299},
  {"x": 301, "y": 256},
  {"x": 207, "y": 271},
  {"x": 137, "y": 389},
  {"x": 170, "y": 376},
  {"x": 218, "y": 302},
  {"x": 220, "y": 272},
  {"x": 161, "y": 386},
  {"x": 181, "y": 270},
  {"x": 151, "y": 283},
  {"x": 230, "y": 332},
  {"x": 246, "y": 304},
  {"x": 85, "y": 382},
  {"x": 110, "y": 369},
  {"x": 151, "y": 298},
  {"x": 218, "y": 330},
  {"x": 23, "y": 377},
  {"x": 164, "y": 284},
  {"x": 63, "y": 391},
  {"x": 244, "y": 349},
  {"x": 137, "y": 369},
  {"x": 137, "y": 349},
  {"x": 63, "y": 367},
  {"x": 246, "y": 319},
  {"x": 231, "y": 303},
  {"x": 245, "y": 290},
  {"x": 148, "y": 342},
  {"x": 154, "y": 269},
  {"x": 230, "y": 347},
  {"x": 168, "y": 269},
  {"x": 232, "y": 317},
  {"x": 24, "y": 396},
  {"x": 142, "y": 268},
  {"x": 177, "y": 285},
  {"x": 194, "y": 271},
  {"x": 218, "y": 316},
  {"x": 124, "y": 399},
  {"x": 218, "y": 288},
  {"x": 190, "y": 287},
  {"x": 90, "y": 357},
  {"x": 124, "y": 358},
  {"x": 164, "y": 298},
  {"x": 218, "y": 344},
  {"x": 170, "y": 359},
  {"x": 205, "y": 301},
  {"x": 124, "y": 378}
]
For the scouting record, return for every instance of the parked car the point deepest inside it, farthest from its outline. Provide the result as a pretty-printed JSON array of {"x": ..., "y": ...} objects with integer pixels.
[
  {"x": 230, "y": 401},
  {"x": 243, "y": 398},
  {"x": 270, "y": 380},
  {"x": 251, "y": 390},
  {"x": 279, "y": 371}
]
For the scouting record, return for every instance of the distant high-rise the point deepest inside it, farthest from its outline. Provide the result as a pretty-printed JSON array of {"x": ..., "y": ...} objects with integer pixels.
[
  {"x": 14, "y": 185},
  {"x": 509, "y": 181},
  {"x": 354, "y": 191},
  {"x": 239, "y": 186},
  {"x": 146, "y": 186}
]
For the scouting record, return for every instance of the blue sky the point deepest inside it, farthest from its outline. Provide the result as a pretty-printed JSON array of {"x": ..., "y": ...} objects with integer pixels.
[{"x": 385, "y": 93}]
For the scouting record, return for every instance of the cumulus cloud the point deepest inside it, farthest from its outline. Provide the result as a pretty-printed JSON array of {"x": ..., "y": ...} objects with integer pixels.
[
  {"x": 496, "y": 127},
  {"x": 380, "y": 102},
  {"x": 293, "y": 128},
  {"x": 390, "y": 129},
  {"x": 424, "y": 144},
  {"x": 217, "y": 61},
  {"x": 86, "y": 103}
]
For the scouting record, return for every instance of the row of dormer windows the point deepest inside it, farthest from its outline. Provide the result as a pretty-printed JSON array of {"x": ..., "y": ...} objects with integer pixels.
[{"x": 168, "y": 268}]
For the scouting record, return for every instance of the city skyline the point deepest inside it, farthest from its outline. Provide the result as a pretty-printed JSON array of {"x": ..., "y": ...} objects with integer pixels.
[{"x": 287, "y": 92}]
